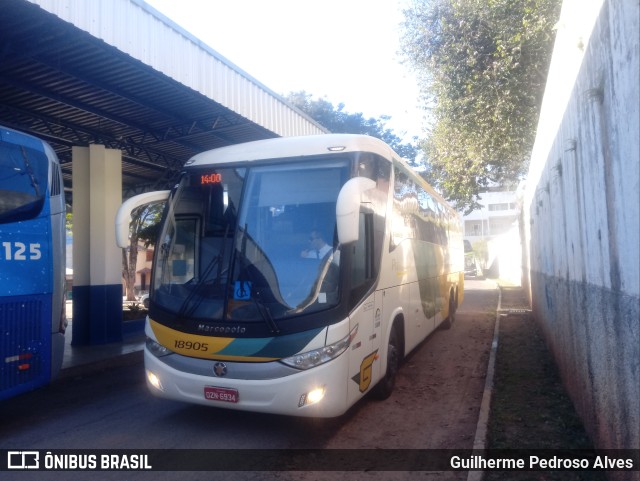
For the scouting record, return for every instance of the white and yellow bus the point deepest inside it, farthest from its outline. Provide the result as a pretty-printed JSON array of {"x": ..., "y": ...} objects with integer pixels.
[{"x": 292, "y": 275}]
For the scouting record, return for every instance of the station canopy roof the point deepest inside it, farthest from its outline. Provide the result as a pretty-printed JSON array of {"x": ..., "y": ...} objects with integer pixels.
[{"x": 69, "y": 88}]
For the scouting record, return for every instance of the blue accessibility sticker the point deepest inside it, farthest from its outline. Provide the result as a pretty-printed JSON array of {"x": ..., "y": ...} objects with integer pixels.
[{"x": 242, "y": 290}]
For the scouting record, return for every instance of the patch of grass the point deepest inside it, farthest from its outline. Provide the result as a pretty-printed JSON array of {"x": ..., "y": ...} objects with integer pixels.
[{"x": 530, "y": 408}]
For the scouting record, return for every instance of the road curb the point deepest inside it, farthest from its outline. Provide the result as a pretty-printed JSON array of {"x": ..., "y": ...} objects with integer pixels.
[{"x": 480, "y": 440}]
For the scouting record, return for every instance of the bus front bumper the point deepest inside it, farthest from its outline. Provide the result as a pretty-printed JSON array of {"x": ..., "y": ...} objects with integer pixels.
[{"x": 317, "y": 392}]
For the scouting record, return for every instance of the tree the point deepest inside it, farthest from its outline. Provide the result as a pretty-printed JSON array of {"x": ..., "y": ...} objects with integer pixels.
[
  {"x": 143, "y": 228},
  {"x": 482, "y": 66},
  {"x": 336, "y": 120}
]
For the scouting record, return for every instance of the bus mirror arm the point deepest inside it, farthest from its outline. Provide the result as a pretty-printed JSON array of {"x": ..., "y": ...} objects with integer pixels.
[
  {"x": 123, "y": 216},
  {"x": 348, "y": 208}
]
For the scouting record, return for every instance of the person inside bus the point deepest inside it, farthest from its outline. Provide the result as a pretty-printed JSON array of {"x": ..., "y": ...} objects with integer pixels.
[{"x": 318, "y": 248}]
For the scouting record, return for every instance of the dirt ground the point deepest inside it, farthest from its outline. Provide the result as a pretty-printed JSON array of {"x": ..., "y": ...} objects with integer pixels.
[{"x": 439, "y": 389}]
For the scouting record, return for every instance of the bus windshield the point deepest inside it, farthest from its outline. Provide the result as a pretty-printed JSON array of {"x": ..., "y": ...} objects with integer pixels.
[
  {"x": 23, "y": 182},
  {"x": 251, "y": 244}
]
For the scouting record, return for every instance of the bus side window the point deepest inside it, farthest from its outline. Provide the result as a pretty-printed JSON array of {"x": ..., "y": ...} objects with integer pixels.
[{"x": 362, "y": 269}]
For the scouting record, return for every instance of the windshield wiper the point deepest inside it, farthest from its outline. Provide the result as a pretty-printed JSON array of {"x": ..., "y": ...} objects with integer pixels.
[
  {"x": 264, "y": 312},
  {"x": 187, "y": 308},
  {"x": 29, "y": 170},
  {"x": 257, "y": 299}
]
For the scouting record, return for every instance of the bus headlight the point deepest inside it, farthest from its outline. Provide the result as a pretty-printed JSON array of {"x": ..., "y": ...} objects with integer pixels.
[
  {"x": 157, "y": 349},
  {"x": 309, "y": 359},
  {"x": 312, "y": 397},
  {"x": 154, "y": 381}
]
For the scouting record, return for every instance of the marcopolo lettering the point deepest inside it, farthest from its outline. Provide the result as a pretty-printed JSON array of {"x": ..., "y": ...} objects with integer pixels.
[{"x": 221, "y": 329}]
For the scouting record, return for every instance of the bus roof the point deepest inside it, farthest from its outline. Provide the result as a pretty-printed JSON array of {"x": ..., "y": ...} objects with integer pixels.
[
  {"x": 284, "y": 147},
  {"x": 17, "y": 137},
  {"x": 20, "y": 138},
  {"x": 305, "y": 146}
]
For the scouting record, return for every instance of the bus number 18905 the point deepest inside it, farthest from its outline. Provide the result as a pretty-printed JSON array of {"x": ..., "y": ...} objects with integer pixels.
[{"x": 189, "y": 345}]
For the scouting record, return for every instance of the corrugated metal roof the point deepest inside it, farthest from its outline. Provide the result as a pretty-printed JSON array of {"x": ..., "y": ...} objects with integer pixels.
[{"x": 125, "y": 76}]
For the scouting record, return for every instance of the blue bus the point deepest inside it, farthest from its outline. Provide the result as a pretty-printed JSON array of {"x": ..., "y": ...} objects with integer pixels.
[{"x": 32, "y": 263}]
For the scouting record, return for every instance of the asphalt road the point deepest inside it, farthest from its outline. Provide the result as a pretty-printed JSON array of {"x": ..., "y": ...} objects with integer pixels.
[{"x": 435, "y": 406}]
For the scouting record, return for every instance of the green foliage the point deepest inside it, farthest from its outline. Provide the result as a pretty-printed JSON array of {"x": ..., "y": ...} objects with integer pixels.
[
  {"x": 336, "y": 120},
  {"x": 145, "y": 222},
  {"x": 69, "y": 221},
  {"x": 143, "y": 228},
  {"x": 482, "y": 65},
  {"x": 148, "y": 226},
  {"x": 481, "y": 249}
]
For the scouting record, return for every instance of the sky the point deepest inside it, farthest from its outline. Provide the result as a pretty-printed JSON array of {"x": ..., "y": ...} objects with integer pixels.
[{"x": 346, "y": 51}]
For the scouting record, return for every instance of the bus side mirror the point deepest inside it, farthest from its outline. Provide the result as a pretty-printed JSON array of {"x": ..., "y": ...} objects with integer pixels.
[
  {"x": 348, "y": 208},
  {"x": 123, "y": 216}
]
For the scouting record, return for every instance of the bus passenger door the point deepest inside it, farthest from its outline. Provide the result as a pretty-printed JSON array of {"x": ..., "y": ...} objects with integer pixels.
[
  {"x": 367, "y": 314},
  {"x": 362, "y": 354},
  {"x": 377, "y": 337}
]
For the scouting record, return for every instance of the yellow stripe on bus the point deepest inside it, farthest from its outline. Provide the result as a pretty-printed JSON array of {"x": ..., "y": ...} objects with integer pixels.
[{"x": 202, "y": 347}]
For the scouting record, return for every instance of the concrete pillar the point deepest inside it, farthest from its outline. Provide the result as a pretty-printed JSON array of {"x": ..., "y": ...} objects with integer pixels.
[{"x": 97, "y": 261}]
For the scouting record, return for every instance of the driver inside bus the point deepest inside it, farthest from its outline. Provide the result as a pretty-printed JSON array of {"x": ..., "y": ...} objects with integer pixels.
[{"x": 318, "y": 248}]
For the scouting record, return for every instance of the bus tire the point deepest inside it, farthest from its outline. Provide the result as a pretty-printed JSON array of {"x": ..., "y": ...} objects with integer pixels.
[
  {"x": 448, "y": 322},
  {"x": 385, "y": 386}
]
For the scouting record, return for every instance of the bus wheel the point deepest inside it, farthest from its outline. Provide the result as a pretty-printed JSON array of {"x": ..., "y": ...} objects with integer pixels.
[
  {"x": 385, "y": 387},
  {"x": 448, "y": 322}
]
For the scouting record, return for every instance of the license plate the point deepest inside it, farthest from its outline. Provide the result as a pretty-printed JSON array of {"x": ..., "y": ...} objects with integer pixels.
[{"x": 221, "y": 394}]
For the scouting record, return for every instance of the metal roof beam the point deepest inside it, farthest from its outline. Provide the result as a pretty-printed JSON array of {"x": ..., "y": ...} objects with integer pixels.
[
  {"x": 59, "y": 132},
  {"x": 180, "y": 138}
]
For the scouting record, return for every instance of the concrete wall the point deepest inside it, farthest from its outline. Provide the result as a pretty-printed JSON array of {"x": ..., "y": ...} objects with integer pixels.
[{"x": 581, "y": 210}]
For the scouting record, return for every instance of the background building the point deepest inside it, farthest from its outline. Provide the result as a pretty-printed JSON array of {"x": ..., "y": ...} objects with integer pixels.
[{"x": 494, "y": 233}]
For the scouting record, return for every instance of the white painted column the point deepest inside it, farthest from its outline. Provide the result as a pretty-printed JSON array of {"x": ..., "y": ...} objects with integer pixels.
[{"x": 97, "y": 261}]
